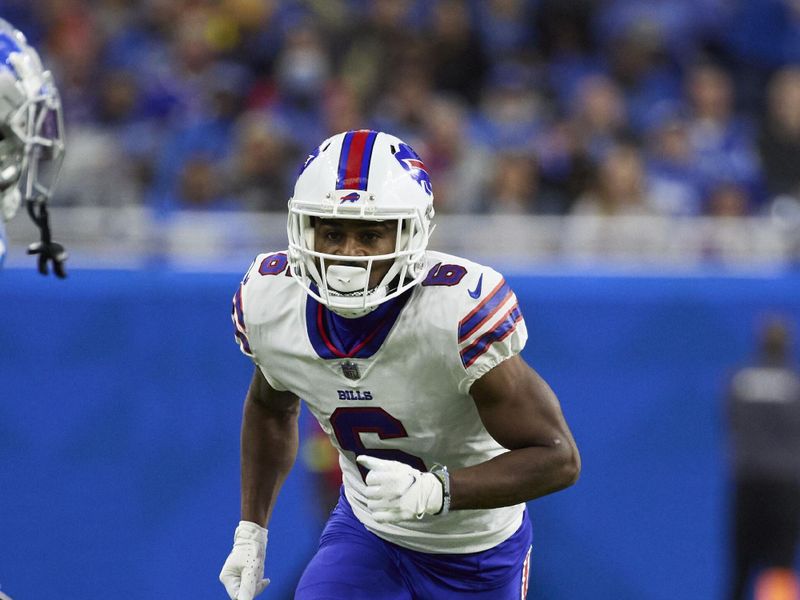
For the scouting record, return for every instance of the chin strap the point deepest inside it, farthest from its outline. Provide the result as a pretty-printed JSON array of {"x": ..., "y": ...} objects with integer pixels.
[{"x": 46, "y": 249}]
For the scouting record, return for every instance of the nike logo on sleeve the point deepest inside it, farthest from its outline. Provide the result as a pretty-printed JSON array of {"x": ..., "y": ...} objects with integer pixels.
[{"x": 476, "y": 293}]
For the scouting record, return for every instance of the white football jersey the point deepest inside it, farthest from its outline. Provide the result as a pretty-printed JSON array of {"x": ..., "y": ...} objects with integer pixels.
[{"x": 403, "y": 396}]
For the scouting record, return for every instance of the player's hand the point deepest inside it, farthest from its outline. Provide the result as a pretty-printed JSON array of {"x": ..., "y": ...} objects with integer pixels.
[
  {"x": 243, "y": 571},
  {"x": 396, "y": 492}
]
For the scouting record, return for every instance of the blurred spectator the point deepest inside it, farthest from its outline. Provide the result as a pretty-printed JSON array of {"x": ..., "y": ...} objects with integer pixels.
[
  {"x": 516, "y": 187},
  {"x": 458, "y": 166},
  {"x": 199, "y": 186},
  {"x": 598, "y": 118},
  {"x": 512, "y": 110},
  {"x": 302, "y": 73},
  {"x": 74, "y": 39},
  {"x": 342, "y": 109},
  {"x": 108, "y": 161},
  {"x": 402, "y": 107},
  {"x": 727, "y": 200},
  {"x": 261, "y": 163},
  {"x": 453, "y": 45},
  {"x": 763, "y": 409},
  {"x": 563, "y": 29},
  {"x": 722, "y": 143},
  {"x": 619, "y": 187},
  {"x": 377, "y": 44},
  {"x": 302, "y": 67},
  {"x": 765, "y": 34},
  {"x": 779, "y": 137},
  {"x": 504, "y": 27},
  {"x": 674, "y": 182},
  {"x": 638, "y": 62},
  {"x": 683, "y": 28},
  {"x": 165, "y": 80}
]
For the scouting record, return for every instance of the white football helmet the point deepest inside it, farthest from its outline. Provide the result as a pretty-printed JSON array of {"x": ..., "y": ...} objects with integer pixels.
[
  {"x": 366, "y": 175},
  {"x": 31, "y": 123},
  {"x": 31, "y": 134}
]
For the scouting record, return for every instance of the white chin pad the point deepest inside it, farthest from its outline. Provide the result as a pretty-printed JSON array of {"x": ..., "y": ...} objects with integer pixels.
[{"x": 346, "y": 279}]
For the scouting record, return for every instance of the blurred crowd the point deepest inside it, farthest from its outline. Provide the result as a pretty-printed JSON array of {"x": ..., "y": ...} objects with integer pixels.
[{"x": 618, "y": 107}]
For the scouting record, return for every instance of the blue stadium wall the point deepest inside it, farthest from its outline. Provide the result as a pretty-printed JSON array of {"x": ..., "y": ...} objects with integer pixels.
[{"x": 120, "y": 405}]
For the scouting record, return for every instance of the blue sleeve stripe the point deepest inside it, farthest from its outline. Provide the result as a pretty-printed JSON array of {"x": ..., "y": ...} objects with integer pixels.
[
  {"x": 243, "y": 341},
  {"x": 506, "y": 326},
  {"x": 238, "y": 310},
  {"x": 484, "y": 311}
]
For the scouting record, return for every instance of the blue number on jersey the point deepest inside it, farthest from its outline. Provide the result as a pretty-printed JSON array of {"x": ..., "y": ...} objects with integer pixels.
[
  {"x": 445, "y": 275},
  {"x": 274, "y": 264},
  {"x": 349, "y": 422}
]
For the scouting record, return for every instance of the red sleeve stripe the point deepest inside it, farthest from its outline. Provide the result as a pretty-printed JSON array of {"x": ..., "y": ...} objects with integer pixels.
[
  {"x": 504, "y": 327},
  {"x": 484, "y": 311},
  {"x": 243, "y": 342},
  {"x": 238, "y": 310}
]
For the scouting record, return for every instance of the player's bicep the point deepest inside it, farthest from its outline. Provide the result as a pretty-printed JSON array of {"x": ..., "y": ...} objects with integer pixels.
[
  {"x": 263, "y": 396},
  {"x": 518, "y": 408}
]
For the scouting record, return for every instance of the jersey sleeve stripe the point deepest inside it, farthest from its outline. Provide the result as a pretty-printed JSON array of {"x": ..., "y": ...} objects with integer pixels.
[
  {"x": 238, "y": 310},
  {"x": 484, "y": 311},
  {"x": 239, "y": 329},
  {"x": 244, "y": 343},
  {"x": 505, "y": 326}
]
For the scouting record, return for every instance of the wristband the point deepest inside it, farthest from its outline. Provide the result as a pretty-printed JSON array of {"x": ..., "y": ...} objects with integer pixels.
[{"x": 443, "y": 475}]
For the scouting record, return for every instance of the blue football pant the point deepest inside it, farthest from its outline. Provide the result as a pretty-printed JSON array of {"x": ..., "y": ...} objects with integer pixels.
[{"x": 355, "y": 564}]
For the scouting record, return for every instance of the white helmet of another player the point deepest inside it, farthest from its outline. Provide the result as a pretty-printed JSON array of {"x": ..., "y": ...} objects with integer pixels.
[
  {"x": 364, "y": 175},
  {"x": 31, "y": 126}
]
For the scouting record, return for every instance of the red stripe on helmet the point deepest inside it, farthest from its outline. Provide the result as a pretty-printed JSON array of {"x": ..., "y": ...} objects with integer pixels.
[{"x": 352, "y": 175}]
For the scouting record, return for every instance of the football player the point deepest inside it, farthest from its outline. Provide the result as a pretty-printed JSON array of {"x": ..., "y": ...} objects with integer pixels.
[
  {"x": 31, "y": 143},
  {"x": 409, "y": 359}
]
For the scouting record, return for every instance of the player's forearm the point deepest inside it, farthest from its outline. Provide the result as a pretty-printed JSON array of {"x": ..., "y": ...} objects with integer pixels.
[
  {"x": 515, "y": 476},
  {"x": 269, "y": 448}
]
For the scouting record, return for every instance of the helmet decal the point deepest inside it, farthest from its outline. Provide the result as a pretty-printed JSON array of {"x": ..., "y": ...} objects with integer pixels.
[
  {"x": 354, "y": 160},
  {"x": 412, "y": 163},
  {"x": 309, "y": 158},
  {"x": 351, "y": 197}
]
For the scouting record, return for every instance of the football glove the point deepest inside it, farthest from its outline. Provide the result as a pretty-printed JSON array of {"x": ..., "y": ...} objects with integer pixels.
[
  {"x": 396, "y": 492},
  {"x": 243, "y": 571}
]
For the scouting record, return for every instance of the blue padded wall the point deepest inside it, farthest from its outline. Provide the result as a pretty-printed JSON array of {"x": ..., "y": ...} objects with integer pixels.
[{"x": 120, "y": 404}]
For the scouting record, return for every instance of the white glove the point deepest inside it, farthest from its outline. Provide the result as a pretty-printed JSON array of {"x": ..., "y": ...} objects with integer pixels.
[
  {"x": 396, "y": 492},
  {"x": 243, "y": 571}
]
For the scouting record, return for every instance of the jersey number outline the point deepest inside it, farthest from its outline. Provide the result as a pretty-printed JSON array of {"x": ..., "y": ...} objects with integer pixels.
[
  {"x": 447, "y": 275},
  {"x": 350, "y": 422}
]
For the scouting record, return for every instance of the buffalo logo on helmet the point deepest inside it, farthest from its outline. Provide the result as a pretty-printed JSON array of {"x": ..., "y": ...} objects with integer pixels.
[
  {"x": 351, "y": 197},
  {"x": 412, "y": 163},
  {"x": 309, "y": 159}
]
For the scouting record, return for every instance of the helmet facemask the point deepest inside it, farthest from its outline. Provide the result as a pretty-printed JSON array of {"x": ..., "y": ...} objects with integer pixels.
[{"x": 345, "y": 288}]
